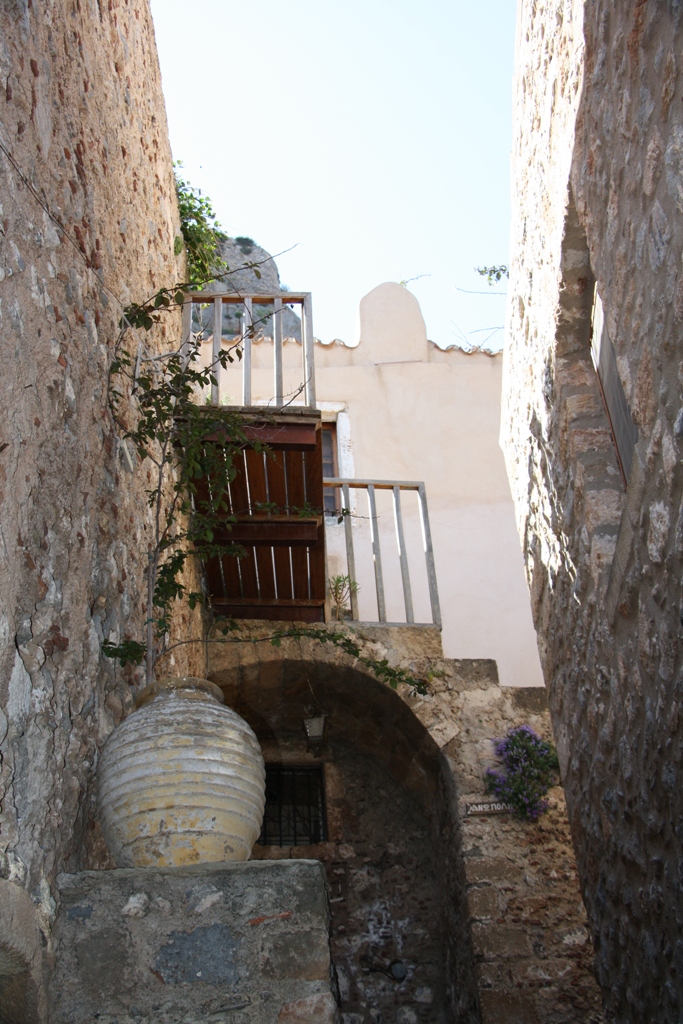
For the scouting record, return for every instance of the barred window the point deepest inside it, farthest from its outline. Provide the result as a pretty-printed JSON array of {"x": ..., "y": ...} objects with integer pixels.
[{"x": 295, "y": 807}]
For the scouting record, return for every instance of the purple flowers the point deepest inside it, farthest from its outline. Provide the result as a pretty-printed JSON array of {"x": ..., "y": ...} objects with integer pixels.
[{"x": 530, "y": 767}]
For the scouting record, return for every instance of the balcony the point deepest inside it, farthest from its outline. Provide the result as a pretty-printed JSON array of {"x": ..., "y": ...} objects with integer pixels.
[{"x": 277, "y": 497}]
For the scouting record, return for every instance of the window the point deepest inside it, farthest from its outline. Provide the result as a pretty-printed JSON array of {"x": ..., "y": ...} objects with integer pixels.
[
  {"x": 624, "y": 430},
  {"x": 295, "y": 807},
  {"x": 330, "y": 467}
]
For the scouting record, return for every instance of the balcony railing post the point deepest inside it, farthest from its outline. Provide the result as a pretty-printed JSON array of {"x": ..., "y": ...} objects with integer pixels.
[
  {"x": 429, "y": 557},
  {"x": 247, "y": 326},
  {"x": 350, "y": 555},
  {"x": 186, "y": 330},
  {"x": 396, "y": 486},
  {"x": 277, "y": 350},
  {"x": 279, "y": 301},
  {"x": 376, "y": 555},
  {"x": 216, "y": 349},
  {"x": 308, "y": 347},
  {"x": 402, "y": 554}
]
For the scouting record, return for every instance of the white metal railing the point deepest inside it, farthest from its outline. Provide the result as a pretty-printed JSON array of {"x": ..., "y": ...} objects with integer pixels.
[
  {"x": 279, "y": 301},
  {"x": 395, "y": 486}
]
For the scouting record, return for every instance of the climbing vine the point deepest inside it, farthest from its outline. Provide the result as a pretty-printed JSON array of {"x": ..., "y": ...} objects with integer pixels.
[
  {"x": 201, "y": 233},
  {"x": 495, "y": 273}
]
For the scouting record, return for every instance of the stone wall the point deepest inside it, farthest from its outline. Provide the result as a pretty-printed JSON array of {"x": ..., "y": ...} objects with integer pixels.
[
  {"x": 229, "y": 943},
  {"x": 88, "y": 223},
  {"x": 506, "y": 938},
  {"x": 528, "y": 925},
  {"x": 598, "y": 156},
  {"x": 382, "y": 870}
]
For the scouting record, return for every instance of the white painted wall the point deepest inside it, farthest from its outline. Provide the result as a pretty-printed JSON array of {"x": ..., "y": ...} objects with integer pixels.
[{"x": 408, "y": 410}]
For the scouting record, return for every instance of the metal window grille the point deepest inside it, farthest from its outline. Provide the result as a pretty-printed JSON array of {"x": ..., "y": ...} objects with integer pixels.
[{"x": 295, "y": 807}]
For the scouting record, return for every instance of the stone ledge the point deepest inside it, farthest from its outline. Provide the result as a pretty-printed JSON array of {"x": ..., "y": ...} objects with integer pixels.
[{"x": 230, "y": 943}]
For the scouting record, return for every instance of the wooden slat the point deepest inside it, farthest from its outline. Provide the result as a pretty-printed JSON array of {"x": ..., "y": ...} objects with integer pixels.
[
  {"x": 230, "y": 578},
  {"x": 297, "y": 497},
  {"x": 313, "y": 462},
  {"x": 277, "y": 350},
  {"x": 308, "y": 351},
  {"x": 313, "y": 468},
  {"x": 403, "y": 555},
  {"x": 379, "y": 485},
  {"x": 283, "y": 436},
  {"x": 247, "y": 567},
  {"x": 283, "y": 611},
  {"x": 277, "y": 490},
  {"x": 215, "y": 580},
  {"x": 296, "y": 484},
  {"x": 239, "y": 297},
  {"x": 203, "y": 492},
  {"x": 238, "y": 489},
  {"x": 293, "y": 531},
  {"x": 240, "y": 505},
  {"x": 216, "y": 349},
  {"x": 247, "y": 323},
  {"x": 429, "y": 557},
  {"x": 186, "y": 334},
  {"x": 350, "y": 555},
  {"x": 258, "y": 494},
  {"x": 377, "y": 555}
]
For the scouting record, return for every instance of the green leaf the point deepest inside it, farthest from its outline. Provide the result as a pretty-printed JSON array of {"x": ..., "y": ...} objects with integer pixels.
[{"x": 128, "y": 652}]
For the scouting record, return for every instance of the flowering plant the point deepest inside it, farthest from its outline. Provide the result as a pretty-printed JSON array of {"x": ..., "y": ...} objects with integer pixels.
[{"x": 530, "y": 767}]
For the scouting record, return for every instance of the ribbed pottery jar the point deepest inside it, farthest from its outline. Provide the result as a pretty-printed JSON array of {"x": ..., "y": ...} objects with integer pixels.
[{"x": 181, "y": 780}]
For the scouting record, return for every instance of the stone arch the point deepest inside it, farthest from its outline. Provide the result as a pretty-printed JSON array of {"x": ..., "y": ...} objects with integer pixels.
[
  {"x": 375, "y": 731},
  {"x": 383, "y": 723}
]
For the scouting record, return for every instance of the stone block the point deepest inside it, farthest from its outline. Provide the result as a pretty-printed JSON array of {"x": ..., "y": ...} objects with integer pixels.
[
  {"x": 602, "y": 508},
  {"x": 316, "y": 1009},
  {"x": 230, "y": 943},
  {"x": 297, "y": 955},
  {"x": 508, "y": 1008},
  {"x": 482, "y": 903},
  {"x": 491, "y": 869},
  {"x": 531, "y": 699},
  {"x": 494, "y": 940}
]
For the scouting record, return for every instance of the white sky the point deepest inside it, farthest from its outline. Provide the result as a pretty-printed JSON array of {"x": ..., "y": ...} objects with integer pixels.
[{"x": 371, "y": 135}]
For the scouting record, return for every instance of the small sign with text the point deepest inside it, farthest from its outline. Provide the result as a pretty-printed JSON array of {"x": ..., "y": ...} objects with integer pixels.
[{"x": 487, "y": 807}]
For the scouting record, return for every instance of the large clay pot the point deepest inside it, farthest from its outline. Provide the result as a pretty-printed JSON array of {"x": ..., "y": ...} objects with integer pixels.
[{"x": 181, "y": 780}]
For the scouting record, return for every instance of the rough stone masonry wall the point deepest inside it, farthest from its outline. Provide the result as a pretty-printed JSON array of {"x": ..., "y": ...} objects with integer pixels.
[
  {"x": 218, "y": 943},
  {"x": 82, "y": 115},
  {"x": 511, "y": 927},
  {"x": 385, "y": 900},
  {"x": 598, "y": 194}
]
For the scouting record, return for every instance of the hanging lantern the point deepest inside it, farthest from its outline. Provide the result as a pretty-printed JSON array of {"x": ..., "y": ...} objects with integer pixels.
[{"x": 316, "y": 728}]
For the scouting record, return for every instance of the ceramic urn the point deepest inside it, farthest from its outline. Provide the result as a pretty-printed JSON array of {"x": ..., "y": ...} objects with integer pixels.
[{"x": 181, "y": 780}]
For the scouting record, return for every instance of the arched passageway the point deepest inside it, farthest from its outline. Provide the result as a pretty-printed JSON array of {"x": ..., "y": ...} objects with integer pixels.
[{"x": 391, "y": 843}]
